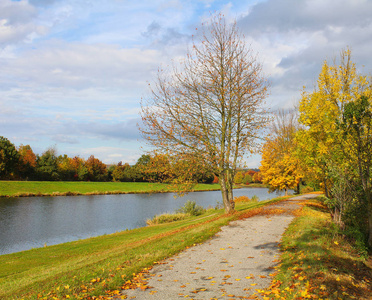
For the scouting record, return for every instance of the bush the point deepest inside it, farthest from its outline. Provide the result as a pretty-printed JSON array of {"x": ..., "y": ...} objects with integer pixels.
[
  {"x": 166, "y": 218},
  {"x": 307, "y": 189},
  {"x": 246, "y": 199},
  {"x": 191, "y": 209}
]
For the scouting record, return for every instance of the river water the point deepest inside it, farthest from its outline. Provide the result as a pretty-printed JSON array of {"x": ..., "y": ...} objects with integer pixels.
[{"x": 31, "y": 222}]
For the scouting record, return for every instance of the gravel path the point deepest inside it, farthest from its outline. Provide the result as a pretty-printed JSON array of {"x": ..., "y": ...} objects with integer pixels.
[{"x": 232, "y": 265}]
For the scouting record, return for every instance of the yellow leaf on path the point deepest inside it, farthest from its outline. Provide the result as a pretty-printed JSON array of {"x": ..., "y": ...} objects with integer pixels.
[
  {"x": 222, "y": 248},
  {"x": 237, "y": 279},
  {"x": 253, "y": 284},
  {"x": 336, "y": 242}
]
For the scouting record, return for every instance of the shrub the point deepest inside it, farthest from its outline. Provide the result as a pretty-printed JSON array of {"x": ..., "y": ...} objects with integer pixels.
[
  {"x": 191, "y": 208},
  {"x": 166, "y": 218},
  {"x": 307, "y": 189},
  {"x": 246, "y": 199}
]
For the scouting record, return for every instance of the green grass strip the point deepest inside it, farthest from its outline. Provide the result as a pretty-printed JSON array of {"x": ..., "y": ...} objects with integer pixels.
[{"x": 62, "y": 188}]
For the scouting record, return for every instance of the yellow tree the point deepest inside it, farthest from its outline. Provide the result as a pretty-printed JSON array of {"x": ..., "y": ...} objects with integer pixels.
[
  {"x": 280, "y": 167},
  {"x": 321, "y": 109},
  {"x": 211, "y": 109},
  {"x": 335, "y": 140}
]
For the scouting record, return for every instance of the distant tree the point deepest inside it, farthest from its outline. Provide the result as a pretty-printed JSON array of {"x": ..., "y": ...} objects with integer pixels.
[
  {"x": 211, "y": 110},
  {"x": 122, "y": 173},
  {"x": 66, "y": 168},
  {"x": 80, "y": 172},
  {"x": 137, "y": 172},
  {"x": 47, "y": 165},
  {"x": 247, "y": 179},
  {"x": 97, "y": 170},
  {"x": 157, "y": 169},
  {"x": 257, "y": 177},
  {"x": 238, "y": 179},
  {"x": 280, "y": 167},
  {"x": 9, "y": 159},
  {"x": 27, "y": 162}
]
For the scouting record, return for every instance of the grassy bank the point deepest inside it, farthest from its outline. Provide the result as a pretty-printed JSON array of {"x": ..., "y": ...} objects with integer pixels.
[
  {"x": 103, "y": 265},
  {"x": 61, "y": 188},
  {"x": 318, "y": 262}
]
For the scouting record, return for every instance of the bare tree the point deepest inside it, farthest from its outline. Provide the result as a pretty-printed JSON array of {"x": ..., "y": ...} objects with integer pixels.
[{"x": 211, "y": 110}]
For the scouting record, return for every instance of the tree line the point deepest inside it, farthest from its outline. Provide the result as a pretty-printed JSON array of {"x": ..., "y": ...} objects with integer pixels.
[
  {"x": 327, "y": 143},
  {"x": 21, "y": 163}
]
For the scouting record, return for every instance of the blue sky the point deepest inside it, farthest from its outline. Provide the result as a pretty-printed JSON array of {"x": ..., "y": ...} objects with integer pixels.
[{"x": 73, "y": 72}]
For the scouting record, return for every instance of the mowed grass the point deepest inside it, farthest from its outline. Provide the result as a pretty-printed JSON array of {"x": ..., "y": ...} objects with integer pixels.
[
  {"x": 55, "y": 188},
  {"x": 100, "y": 266},
  {"x": 318, "y": 262}
]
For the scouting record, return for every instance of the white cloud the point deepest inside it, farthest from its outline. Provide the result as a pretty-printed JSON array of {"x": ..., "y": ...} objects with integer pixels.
[{"x": 17, "y": 23}]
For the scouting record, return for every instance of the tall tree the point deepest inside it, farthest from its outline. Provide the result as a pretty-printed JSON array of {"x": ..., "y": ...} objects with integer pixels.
[
  {"x": 211, "y": 109},
  {"x": 336, "y": 140}
]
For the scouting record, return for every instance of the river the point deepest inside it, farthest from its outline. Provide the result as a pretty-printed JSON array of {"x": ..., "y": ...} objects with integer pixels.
[{"x": 31, "y": 222}]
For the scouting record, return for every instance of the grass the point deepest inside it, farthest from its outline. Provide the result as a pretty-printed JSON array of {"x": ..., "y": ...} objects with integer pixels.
[
  {"x": 100, "y": 266},
  {"x": 318, "y": 262},
  {"x": 63, "y": 188}
]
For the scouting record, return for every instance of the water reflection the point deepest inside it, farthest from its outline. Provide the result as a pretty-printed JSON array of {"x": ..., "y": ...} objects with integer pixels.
[{"x": 32, "y": 222}]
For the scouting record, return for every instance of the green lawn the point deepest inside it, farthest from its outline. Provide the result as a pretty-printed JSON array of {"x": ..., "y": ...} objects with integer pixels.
[{"x": 38, "y": 188}]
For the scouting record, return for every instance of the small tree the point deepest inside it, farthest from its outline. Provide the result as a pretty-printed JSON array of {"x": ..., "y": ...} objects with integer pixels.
[{"x": 211, "y": 109}]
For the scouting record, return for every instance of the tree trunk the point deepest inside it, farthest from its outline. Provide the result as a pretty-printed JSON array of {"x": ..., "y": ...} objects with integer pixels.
[
  {"x": 369, "y": 213},
  {"x": 369, "y": 205},
  {"x": 227, "y": 193},
  {"x": 325, "y": 188}
]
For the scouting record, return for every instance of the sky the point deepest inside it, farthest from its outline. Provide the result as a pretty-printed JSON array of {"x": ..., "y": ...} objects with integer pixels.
[{"x": 73, "y": 72}]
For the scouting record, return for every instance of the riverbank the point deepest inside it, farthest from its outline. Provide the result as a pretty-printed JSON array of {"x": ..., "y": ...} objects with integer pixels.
[
  {"x": 88, "y": 268},
  {"x": 76, "y": 188},
  {"x": 316, "y": 260}
]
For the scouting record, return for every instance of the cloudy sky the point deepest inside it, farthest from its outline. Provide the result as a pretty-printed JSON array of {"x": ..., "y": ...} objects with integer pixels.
[{"x": 73, "y": 72}]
